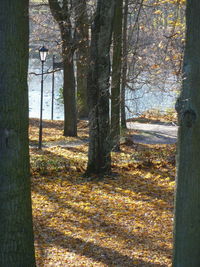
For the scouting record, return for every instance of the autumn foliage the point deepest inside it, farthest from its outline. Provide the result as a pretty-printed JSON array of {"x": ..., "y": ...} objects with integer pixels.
[{"x": 124, "y": 219}]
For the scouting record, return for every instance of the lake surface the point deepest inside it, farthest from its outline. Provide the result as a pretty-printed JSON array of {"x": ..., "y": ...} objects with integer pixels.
[
  {"x": 137, "y": 101},
  {"x": 34, "y": 82}
]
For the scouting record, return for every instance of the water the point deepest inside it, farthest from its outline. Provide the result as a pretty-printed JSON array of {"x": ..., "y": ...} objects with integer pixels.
[
  {"x": 138, "y": 101},
  {"x": 144, "y": 100},
  {"x": 34, "y": 82}
]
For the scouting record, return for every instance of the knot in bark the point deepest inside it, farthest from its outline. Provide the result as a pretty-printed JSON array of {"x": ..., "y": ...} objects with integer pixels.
[{"x": 189, "y": 118}]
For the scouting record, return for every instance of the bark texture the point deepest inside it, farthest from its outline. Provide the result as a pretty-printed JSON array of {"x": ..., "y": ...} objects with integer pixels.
[
  {"x": 62, "y": 16},
  {"x": 187, "y": 208},
  {"x": 116, "y": 76},
  {"x": 82, "y": 55},
  {"x": 99, "y": 158},
  {"x": 124, "y": 65},
  {"x": 16, "y": 234}
]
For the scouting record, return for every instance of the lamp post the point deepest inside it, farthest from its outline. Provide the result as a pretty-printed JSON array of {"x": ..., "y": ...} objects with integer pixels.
[
  {"x": 43, "y": 53},
  {"x": 53, "y": 80}
]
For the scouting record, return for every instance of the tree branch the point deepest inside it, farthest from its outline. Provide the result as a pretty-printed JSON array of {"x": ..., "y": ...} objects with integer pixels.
[{"x": 56, "y": 10}]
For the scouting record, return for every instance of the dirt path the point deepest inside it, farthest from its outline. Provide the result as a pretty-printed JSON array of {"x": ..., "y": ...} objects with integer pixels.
[
  {"x": 153, "y": 133},
  {"x": 144, "y": 133},
  {"x": 147, "y": 133}
]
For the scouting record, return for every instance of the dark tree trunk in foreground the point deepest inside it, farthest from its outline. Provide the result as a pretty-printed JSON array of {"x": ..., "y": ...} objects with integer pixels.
[
  {"x": 187, "y": 211},
  {"x": 99, "y": 158},
  {"x": 62, "y": 16},
  {"x": 124, "y": 65},
  {"x": 16, "y": 234},
  {"x": 82, "y": 55},
  {"x": 116, "y": 76}
]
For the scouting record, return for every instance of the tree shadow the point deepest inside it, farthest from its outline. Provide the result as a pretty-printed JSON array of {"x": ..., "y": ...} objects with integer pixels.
[
  {"x": 89, "y": 249},
  {"x": 119, "y": 186},
  {"x": 101, "y": 222},
  {"x": 147, "y": 188},
  {"x": 147, "y": 137},
  {"x": 143, "y": 186}
]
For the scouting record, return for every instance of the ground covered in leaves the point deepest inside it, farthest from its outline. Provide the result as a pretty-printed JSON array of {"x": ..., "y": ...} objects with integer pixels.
[{"x": 123, "y": 220}]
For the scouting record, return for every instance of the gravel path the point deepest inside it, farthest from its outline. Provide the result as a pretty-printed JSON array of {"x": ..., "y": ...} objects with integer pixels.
[{"x": 153, "y": 133}]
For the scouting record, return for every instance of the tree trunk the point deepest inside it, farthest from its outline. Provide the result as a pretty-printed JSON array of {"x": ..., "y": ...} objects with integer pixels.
[
  {"x": 116, "y": 76},
  {"x": 124, "y": 65},
  {"x": 187, "y": 210},
  {"x": 62, "y": 16},
  {"x": 69, "y": 94},
  {"x": 82, "y": 55},
  {"x": 99, "y": 158},
  {"x": 16, "y": 234}
]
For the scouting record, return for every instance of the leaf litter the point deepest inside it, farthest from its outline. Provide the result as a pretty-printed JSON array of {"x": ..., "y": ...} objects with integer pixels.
[{"x": 125, "y": 219}]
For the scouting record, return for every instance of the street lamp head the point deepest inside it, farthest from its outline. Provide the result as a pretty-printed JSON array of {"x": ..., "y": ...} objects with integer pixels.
[{"x": 43, "y": 53}]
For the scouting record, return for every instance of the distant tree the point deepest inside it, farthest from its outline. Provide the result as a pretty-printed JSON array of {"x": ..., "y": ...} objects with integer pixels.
[
  {"x": 187, "y": 210},
  {"x": 99, "y": 158},
  {"x": 61, "y": 14},
  {"x": 150, "y": 26},
  {"x": 116, "y": 75},
  {"x": 16, "y": 234}
]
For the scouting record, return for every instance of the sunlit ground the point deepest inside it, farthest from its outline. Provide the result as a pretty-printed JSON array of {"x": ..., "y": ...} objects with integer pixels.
[{"x": 123, "y": 220}]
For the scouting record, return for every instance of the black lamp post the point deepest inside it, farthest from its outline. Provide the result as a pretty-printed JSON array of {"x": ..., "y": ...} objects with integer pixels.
[
  {"x": 43, "y": 53},
  {"x": 52, "y": 92}
]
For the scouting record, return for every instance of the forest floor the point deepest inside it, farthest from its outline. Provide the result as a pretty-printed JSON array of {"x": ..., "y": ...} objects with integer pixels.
[{"x": 122, "y": 220}]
